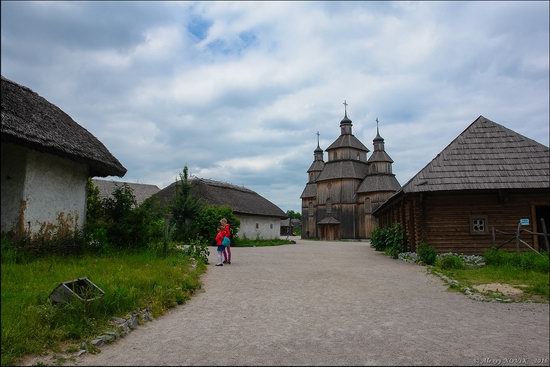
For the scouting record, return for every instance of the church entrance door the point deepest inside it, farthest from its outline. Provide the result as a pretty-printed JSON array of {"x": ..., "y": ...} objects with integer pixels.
[{"x": 330, "y": 232}]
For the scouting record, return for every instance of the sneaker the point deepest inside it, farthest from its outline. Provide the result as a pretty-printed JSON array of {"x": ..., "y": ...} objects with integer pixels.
[
  {"x": 225, "y": 262},
  {"x": 229, "y": 262},
  {"x": 219, "y": 264}
]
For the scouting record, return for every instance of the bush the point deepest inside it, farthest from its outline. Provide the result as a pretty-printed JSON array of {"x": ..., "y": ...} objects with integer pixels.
[
  {"x": 377, "y": 239},
  {"x": 198, "y": 249},
  {"x": 395, "y": 240},
  {"x": 118, "y": 222},
  {"x": 523, "y": 260},
  {"x": 426, "y": 253},
  {"x": 208, "y": 220},
  {"x": 450, "y": 262},
  {"x": 389, "y": 239}
]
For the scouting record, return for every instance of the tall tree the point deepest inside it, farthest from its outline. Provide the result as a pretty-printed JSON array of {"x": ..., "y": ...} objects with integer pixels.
[{"x": 186, "y": 207}]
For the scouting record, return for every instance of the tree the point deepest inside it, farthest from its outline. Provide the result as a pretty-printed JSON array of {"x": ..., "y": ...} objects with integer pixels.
[
  {"x": 208, "y": 220},
  {"x": 186, "y": 207},
  {"x": 293, "y": 215}
]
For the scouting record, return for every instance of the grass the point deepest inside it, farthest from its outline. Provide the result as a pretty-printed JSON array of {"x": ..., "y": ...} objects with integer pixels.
[
  {"x": 32, "y": 325},
  {"x": 526, "y": 271},
  {"x": 259, "y": 243}
]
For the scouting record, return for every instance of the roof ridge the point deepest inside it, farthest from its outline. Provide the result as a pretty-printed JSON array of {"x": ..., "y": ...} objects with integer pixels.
[{"x": 228, "y": 185}]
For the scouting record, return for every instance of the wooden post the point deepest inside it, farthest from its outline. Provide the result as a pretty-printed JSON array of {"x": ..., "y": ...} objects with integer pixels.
[
  {"x": 517, "y": 236},
  {"x": 545, "y": 233},
  {"x": 494, "y": 237}
]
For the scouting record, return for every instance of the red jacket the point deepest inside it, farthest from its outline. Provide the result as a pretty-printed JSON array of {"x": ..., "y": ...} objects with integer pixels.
[
  {"x": 219, "y": 237},
  {"x": 227, "y": 231}
]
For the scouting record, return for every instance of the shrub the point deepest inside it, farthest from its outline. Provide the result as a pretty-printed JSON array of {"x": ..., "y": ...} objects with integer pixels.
[
  {"x": 208, "y": 220},
  {"x": 395, "y": 240},
  {"x": 377, "y": 239},
  {"x": 118, "y": 222},
  {"x": 426, "y": 253},
  {"x": 198, "y": 249},
  {"x": 450, "y": 262},
  {"x": 389, "y": 239}
]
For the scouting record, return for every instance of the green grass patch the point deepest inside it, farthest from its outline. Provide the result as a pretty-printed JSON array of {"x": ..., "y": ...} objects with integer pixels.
[
  {"x": 260, "y": 243},
  {"x": 130, "y": 280},
  {"x": 533, "y": 283}
]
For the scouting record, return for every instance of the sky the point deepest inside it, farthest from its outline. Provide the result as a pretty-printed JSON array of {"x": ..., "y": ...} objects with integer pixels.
[{"x": 238, "y": 90}]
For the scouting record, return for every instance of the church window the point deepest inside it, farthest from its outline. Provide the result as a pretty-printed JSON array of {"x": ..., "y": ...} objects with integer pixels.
[
  {"x": 335, "y": 155},
  {"x": 329, "y": 206},
  {"x": 310, "y": 208},
  {"x": 257, "y": 225},
  {"x": 271, "y": 226},
  {"x": 358, "y": 156}
]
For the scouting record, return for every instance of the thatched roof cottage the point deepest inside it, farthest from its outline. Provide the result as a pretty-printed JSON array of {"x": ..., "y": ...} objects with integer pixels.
[
  {"x": 46, "y": 160},
  {"x": 489, "y": 176},
  {"x": 260, "y": 218}
]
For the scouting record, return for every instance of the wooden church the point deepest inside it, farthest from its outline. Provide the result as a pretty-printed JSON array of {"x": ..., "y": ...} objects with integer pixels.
[{"x": 341, "y": 193}]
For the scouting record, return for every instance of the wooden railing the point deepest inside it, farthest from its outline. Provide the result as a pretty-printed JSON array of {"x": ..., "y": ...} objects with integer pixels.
[{"x": 517, "y": 236}]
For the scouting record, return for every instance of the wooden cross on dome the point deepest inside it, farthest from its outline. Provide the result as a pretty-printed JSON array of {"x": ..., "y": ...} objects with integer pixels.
[{"x": 345, "y": 107}]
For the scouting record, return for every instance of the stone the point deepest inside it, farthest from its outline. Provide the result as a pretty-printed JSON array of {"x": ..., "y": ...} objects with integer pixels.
[
  {"x": 81, "y": 352},
  {"x": 98, "y": 342},
  {"x": 132, "y": 323},
  {"x": 118, "y": 320}
]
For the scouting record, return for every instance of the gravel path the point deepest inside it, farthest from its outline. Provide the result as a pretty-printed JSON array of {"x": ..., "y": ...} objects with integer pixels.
[{"x": 331, "y": 303}]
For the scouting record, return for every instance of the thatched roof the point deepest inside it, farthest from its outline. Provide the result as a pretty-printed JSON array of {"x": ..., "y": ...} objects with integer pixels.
[
  {"x": 141, "y": 191},
  {"x": 343, "y": 169},
  {"x": 240, "y": 199},
  {"x": 379, "y": 182},
  {"x": 485, "y": 156},
  {"x": 30, "y": 120}
]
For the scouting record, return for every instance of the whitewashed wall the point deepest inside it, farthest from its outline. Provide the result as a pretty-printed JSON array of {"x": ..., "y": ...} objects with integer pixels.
[
  {"x": 12, "y": 181},
  {"x": 268, "y": 227},
  {"x": 51, "y": 185}
]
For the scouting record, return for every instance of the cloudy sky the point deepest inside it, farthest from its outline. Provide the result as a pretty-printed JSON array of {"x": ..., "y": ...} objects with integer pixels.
[{"x": 237, "y": 91}]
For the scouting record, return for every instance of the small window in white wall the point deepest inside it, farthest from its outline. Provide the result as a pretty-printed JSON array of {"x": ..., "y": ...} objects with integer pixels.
[
  {"x": 271, "y": 226},
  {"x": 257, "y": 225}
]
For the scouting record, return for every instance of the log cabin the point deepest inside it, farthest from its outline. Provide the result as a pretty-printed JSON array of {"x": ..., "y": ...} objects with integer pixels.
[{"x": 489, "y": 177}]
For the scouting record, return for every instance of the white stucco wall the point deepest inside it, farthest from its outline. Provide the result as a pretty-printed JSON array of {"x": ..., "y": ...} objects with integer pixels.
[
  {"x": 12, "y": 180},
  {"x": 52, "y": 185},
  {"x": 268, "y": 227}
]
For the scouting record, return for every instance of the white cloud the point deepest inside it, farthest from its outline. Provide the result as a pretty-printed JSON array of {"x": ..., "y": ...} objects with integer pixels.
[{"x": 243, "y": 103}]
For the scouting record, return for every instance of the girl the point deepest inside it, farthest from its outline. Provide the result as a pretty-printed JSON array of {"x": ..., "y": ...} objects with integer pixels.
[
  {"x": 220, "y": 247},
  {"x": 227, "y": 233}
]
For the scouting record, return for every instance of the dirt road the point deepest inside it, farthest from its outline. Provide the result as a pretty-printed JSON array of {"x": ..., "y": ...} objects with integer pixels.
[{"x": 331, "y": 303}]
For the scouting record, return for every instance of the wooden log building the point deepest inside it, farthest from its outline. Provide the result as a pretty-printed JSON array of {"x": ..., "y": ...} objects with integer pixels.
[{"x": 489, "y": 176}]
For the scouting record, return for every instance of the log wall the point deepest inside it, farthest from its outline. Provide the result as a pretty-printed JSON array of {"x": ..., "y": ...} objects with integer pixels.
[{"x": 443, "y": 219}]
